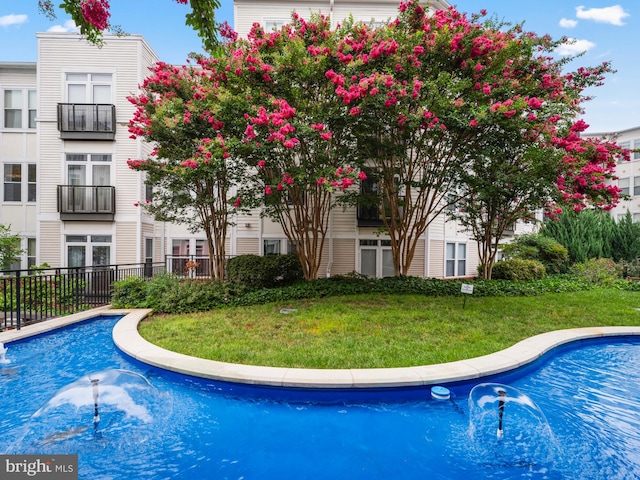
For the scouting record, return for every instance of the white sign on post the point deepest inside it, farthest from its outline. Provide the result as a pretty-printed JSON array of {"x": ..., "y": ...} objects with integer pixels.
[{"x": 467, "y": 288}]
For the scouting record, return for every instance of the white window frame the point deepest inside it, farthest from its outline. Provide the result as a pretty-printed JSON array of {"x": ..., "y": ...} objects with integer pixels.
[
  {"x": 624, "y": 185},
  {"x": 282, "y": 245},
  {"x": 28, "y": 108},
  {"x": 379, "y": 246},
  {"x": 274, "y": 24},
  {"x": 88, "y": 242},
  {"x": 28, "y": 182},
  {"x": 636, "y": 146},
  {"x": 458, "y": 261}
]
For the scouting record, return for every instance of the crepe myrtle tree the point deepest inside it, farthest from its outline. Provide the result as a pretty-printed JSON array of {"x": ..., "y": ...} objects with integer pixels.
[
  {"x": 299, "y": 136},
  {"x": 425, "y": 93},
  {"x": 512, "y": 181},
  {"x": 92, "y": 17},
  {"x": 195, "y": 122},
  {"x": 527, "y": 154}
]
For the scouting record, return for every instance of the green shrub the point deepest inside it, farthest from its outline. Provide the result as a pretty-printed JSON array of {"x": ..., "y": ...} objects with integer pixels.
[
  {"x": 599, "y": 271},
  {"x": 130, "y": 293},
  {"x": 289, "y": 269},
  {"x": 552, "y": 254},
  {"x": 518, "y": 270},
  {"x": 253, "y": 271}
]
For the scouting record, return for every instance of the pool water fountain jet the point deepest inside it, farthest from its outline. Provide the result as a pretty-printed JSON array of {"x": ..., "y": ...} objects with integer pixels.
[
  {"x": 122, "y": 407},
  {"x": 3, "y": 355},
  {"x": 501, "y": 395},
  {"x": 96, "y": 415},
  {"x": 523, "y": 438}
]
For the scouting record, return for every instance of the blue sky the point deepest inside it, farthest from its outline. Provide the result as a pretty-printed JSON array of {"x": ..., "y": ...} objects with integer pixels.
[{"x": 607, "y": 31}]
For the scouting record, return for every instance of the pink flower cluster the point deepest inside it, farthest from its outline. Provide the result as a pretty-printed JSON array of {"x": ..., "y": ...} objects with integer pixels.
[
  {"x": 342, "y": 178},
  {"x": 588, "y": 166},
  {"x": 96, "y": 13},
  {"x": 277, "y": 123}
]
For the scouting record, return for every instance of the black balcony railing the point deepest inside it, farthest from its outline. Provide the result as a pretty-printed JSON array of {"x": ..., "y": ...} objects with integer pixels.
[
  {"x": 31, "y": 296},
  {"x": 87, "y": 202},
  {"x": 86, "y": 121}
]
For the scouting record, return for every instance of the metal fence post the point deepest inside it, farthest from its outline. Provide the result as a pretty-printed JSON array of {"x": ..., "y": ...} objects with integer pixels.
[{"x": 18, "y": 299}]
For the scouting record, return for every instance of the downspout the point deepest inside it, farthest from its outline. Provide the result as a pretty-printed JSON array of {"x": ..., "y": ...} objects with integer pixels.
[{"x": 331, "y": 14}]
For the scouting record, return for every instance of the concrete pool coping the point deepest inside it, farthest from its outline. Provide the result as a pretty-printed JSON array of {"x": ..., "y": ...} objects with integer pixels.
[{"x": 127, "y": 339}]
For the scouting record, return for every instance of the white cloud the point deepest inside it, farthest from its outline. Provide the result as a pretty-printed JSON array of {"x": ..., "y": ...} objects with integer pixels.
[
  {"x": 574, "y": 46},
  {"x": 612, "y": 15},
  {"x": 568, "y": 23},
  {"x": 69, "y": 26},
  {"x": 7, "y": 20}
]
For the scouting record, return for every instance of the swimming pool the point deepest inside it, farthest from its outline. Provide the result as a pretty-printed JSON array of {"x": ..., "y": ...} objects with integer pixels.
[{"x": 166, "y": 425}]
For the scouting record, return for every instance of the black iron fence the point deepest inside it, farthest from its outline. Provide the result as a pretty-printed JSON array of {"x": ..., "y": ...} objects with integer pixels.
[
  {"x": 191, "y": 265},
  {"x": 30, "y": 296}
]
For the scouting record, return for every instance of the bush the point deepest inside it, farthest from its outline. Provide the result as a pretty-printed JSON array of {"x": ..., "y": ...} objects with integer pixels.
[
  {"x": 253, "y": 271},
  {"x": 289, "y": 269},
  {"x": 171, "y": 294},
  {"x": 130, "y": 293},
  {"x": 599, "y": 271},
  {"x": 518, "y": 270},
  {"x": 552, "y": 254}
]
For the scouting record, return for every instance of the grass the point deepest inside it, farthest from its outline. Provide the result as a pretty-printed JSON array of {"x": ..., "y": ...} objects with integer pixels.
[{"x": 374, "y": 331}]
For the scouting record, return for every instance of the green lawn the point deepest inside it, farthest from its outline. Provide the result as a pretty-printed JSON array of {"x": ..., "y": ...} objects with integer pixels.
[{"x": 371, "y": 331}]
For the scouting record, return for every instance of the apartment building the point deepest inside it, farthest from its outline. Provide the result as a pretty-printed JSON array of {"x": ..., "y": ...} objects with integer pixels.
[{"x": 67, "y": 189}]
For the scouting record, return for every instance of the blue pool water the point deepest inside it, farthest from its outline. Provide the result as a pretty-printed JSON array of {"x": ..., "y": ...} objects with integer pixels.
[{"x": 574, "y": 415}]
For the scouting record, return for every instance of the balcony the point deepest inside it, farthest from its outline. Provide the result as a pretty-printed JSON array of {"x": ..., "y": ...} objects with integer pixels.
[
  {"x": 369, "y": 216},
  {"x": 86, "y": 121},
  {"x": 87, "y": 203}
]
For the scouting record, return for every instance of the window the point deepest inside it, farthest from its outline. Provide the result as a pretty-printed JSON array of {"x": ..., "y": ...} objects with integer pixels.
[
  {"x": 271, "y": 247},
  {"x": 376, "y": 259},
  {"x": 627, "y": 146},
  {"x": 636, "y": 186},
  {"x": 623, "y": 184},
  {"x": 148, "y": 250},
  {"x": 32, "y": 107},
  {"x": 89, "y": 87},
  {"x": 272, "y": 24},
  {"x": 31, "y": 252},
  {"x": 85, "y": 171},
  {"x": 636, "y": 145},
  {"x": 276, "y": 246},
  {"x": 84, "y": 248},
  {"x": 456, "y": 260},
  {"x": 32, "y": 185},
  {"x": 89, "y": 103},
  {"x": 636, "y": 218},
  {"x": 148, "y": 192},
  {"x": 12, "y": 182},
  {"x": 19, "y": 108},
  {"x": 19, "y": 178}
]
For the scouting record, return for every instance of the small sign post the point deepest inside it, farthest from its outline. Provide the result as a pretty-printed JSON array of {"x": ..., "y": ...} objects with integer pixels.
[{"x": 466, "y": 289}]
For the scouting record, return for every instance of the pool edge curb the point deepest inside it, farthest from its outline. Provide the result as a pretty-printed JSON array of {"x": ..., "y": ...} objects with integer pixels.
[{"x": 128, "y": 340}]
